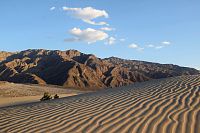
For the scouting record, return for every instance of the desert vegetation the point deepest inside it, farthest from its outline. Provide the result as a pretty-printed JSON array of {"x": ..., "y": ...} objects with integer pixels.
[
  {"x": 47, "y": 96},
  {"x": 56, "y": 96}
]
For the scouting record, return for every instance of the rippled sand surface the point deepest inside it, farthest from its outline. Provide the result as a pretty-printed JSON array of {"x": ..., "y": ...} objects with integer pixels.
[{"x": 159, "y": 106}]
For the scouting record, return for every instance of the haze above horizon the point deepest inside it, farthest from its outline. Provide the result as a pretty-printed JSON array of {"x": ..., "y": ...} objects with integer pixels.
[{"x": 154, "y": 31}]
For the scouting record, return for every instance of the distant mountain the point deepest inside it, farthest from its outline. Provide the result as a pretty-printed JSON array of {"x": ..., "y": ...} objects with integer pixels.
[
  {"x": 72, "y": 68},
  {"x": 153, "y": 70},
  {"x": 4, "y": 55}
]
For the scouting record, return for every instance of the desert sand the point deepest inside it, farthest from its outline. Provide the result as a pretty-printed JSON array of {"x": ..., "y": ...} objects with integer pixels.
[
  {"x": 14, "y": 94},
  {"x": 10, "y": 101},
  {"x": 159, "y": 106}
]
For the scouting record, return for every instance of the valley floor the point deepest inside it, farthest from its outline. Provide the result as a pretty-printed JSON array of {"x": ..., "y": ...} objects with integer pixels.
[
  {"x": 10, "y": 101},
  {"x": 14, "y": 94},
  {"x": 157, "y": 106}
]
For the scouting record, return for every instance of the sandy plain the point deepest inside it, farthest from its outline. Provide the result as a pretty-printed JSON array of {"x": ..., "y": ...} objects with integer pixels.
[{"x": 158, "y": 106}]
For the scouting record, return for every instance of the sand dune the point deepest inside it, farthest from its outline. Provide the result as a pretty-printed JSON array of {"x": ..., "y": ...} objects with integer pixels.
[
  {"x": 157, "y": 106},
  {"x": 10, "y": 101},
  {"x": 14, "y": 94},
  {"x": 22, "y": 90}
]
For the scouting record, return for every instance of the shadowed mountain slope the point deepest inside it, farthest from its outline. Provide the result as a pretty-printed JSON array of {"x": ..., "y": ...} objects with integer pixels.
[{"x": 72, "y": 68}]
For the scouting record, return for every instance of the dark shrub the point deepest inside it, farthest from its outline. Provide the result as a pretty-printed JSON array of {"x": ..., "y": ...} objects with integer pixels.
[
  {"x": 46, "y": 96},
  {"x": 56, "y": 96}
]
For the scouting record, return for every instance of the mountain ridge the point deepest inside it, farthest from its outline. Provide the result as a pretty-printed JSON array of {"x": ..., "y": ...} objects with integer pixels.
[{"x": 71, "y": 68}]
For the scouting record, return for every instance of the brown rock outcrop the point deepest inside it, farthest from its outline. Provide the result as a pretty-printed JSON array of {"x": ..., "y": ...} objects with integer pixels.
[{"x": 72, "y": 68}]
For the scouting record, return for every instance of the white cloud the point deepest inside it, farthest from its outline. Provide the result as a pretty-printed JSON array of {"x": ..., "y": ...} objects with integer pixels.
[
  {"x": 150, "y": 46},
  {"x": 52, "y": 8},
  {"x": 162, "y": 45},
  {"x": 166, "y": 43},
  {"x": 88, "y": 35},
  {"x": 159, "y": 47},
  {"x": 107, "y": 29},
  {"x": 88, "y": 14},
  {"x": 135, "y": 46},
  {"x": 111, "y": 40}
]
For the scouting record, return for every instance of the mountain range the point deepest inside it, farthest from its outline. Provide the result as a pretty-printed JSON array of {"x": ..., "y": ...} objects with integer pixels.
[{"x": 74, "y": 69}]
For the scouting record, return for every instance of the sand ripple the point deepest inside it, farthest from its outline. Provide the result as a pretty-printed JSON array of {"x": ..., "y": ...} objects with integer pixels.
[{"x": 157, "y": 106}]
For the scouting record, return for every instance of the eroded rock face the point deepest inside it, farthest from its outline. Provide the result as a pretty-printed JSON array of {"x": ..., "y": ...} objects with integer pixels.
[
  {"x": 72, "y": 68},
  {"x": 152, "y": 70},
  {"x": 4, "y": 55}
]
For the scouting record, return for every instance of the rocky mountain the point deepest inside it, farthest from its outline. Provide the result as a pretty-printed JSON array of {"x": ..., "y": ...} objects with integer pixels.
[
  {"x": 153, "y": 70},
  {"x": 72, "y": 68},
  {"x": 4, "y": 55}
]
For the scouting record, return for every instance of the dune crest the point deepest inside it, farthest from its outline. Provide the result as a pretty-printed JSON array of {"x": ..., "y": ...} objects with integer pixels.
[{"x": 157, "y": 106}]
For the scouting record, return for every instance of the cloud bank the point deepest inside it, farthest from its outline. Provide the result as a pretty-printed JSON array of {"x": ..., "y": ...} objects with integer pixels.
[
  {"x": 107, "y": 29},
  {"x": 111, "y": 41},
  {"x": 52, "y": 8},
  {"x": 136, "y": 46},
  {"x": 166, "y": 43},
  {"x": 160, "y": 46},
  {"x": 87, "y": 14},
  {"x": 88, "y": 35}
]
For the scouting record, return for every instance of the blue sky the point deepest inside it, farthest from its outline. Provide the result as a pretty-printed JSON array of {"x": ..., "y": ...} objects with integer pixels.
[{"x": 156, "y": 30}]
